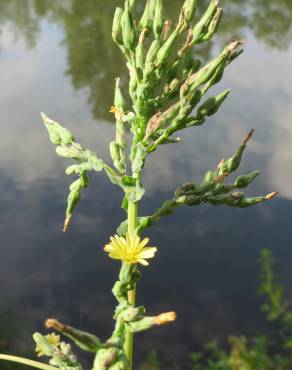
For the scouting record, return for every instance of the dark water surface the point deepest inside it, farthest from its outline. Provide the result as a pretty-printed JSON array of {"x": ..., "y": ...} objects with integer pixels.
[{"x": 58, "y": 57}]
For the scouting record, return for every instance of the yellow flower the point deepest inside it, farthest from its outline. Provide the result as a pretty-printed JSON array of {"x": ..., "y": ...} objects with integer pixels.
[
  {"x": 130, "y": 249},
  {"x": 117, "y": 112},
  {"x": 52, "y": 339}
]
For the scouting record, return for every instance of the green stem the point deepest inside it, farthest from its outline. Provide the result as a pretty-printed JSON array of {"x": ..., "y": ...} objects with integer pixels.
[
  {"x": 27, "y": 362},
  {"x": 132, "y": 225}
]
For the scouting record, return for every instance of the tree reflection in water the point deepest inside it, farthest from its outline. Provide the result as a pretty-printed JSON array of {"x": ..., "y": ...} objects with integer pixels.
[{"x": 92, "y": 58}]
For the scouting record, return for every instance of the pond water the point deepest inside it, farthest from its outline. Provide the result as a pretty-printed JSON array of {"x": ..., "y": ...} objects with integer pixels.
[{"x": 58, "y": 57}]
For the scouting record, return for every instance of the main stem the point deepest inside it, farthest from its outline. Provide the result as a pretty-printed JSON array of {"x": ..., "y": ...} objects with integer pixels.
[{"x": 132, "y": 225}]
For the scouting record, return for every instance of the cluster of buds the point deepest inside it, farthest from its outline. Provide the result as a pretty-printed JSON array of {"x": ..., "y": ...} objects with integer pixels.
[
  {"x": 160, "y": 77},
  {"x": 60, "y": 352},
  {"x": 212, "y": 190}
]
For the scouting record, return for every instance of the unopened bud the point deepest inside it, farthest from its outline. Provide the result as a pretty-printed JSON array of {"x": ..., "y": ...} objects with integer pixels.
[
  {"x": 200, "y": 28},
  {"x": 212, "y": 105},
  {"x": 213, "y": 25},
  {"x": 244, "y": 180},
  {"x": 117, "y": 24},
  {"x": 158, "y": 19},
  {"x": 128, "y": 31},
  {"x": 189, "y": 8},
  {"x": 148, "y": 15}
]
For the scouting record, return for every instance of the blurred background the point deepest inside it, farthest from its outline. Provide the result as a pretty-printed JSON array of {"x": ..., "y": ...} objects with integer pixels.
[{"x": 58, "y": 57}]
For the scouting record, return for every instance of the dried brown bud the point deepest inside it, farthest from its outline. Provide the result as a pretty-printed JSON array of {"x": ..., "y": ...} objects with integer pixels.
[
  {"x": 54, "y": 324},
  {"x": 248, "y": 136},
  {"x": 142, "y": 36},
  {"x": 187, "y": 44},
  {"x": 166, "y": 29}
]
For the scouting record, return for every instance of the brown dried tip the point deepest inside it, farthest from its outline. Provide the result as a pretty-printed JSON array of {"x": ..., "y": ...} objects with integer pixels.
[
  {"x": 234, "y": 45},
  {"x": 187, "y": 43},
  {"x": 166, "y": 29},
  {"x": 55, "y": 324},
  {"x": 248, "y": 136},
  {"x": 181, "y": 21},
  {"x": 272, "y": 195},
  {"x": 142, "y": 36},
  {"x": 220, "y": 178},
  {"x": 165, "y": 318},
  {"x": 67, "y": 223},
  {"x": 221, "y": 163}
]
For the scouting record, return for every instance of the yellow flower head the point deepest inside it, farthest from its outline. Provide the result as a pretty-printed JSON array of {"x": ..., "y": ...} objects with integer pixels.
[
  {"x": 52, "y": 339},
  {"x": 130, "y": 249},
  {"x": 117, "y": 112}
]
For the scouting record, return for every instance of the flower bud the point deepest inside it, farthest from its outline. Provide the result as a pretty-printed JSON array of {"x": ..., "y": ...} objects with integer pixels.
[
  {"x": 213, "y": 25},
  {"x": 233, "y": 163},
  {"x": 119, "y": 99},
  {"x": 115, "y": 151},
  {"x": 148, "y": 15},
  {"x": 128, "y": 31},
  {"x": 158, "y": 19},
  {"x": 151, "y": 57},
  {"x": 148, "y": 322},
  {"x": 189, "y": 9},
  {"x": 140, "y": 52},
  {"x": 203, "y": 24},
  {"x": 131, "y": 314},
  {"x": 58, "y": 134},
  {"x": 212, "y": 105},
  {"x": 68, "y": 152},
  {"x": 166, "y": 48},
  {"x": 116, "y": 28},
  {"x": 105, "y": 358},
  {"x": 86, "y": 341},
  {"x": 244, "y": 180}
]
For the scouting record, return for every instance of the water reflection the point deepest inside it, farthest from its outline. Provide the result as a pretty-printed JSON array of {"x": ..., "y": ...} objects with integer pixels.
[
  {"x": 87, "y": 35},
  {"x": 208, "y": 254}
]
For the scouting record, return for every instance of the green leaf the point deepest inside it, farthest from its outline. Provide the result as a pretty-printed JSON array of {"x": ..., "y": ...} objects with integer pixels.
[
  {"x": 132, "y": 187},
  {"x": 87, "y": 160},
  {"x": 58, "y": 134}
]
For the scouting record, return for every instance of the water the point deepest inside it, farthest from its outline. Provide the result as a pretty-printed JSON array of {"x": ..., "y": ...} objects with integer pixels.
[{"x": 58, "y": 57}]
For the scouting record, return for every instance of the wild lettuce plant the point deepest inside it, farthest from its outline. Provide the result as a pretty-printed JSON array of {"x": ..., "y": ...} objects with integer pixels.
[{"x": 167, "y": 89}]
